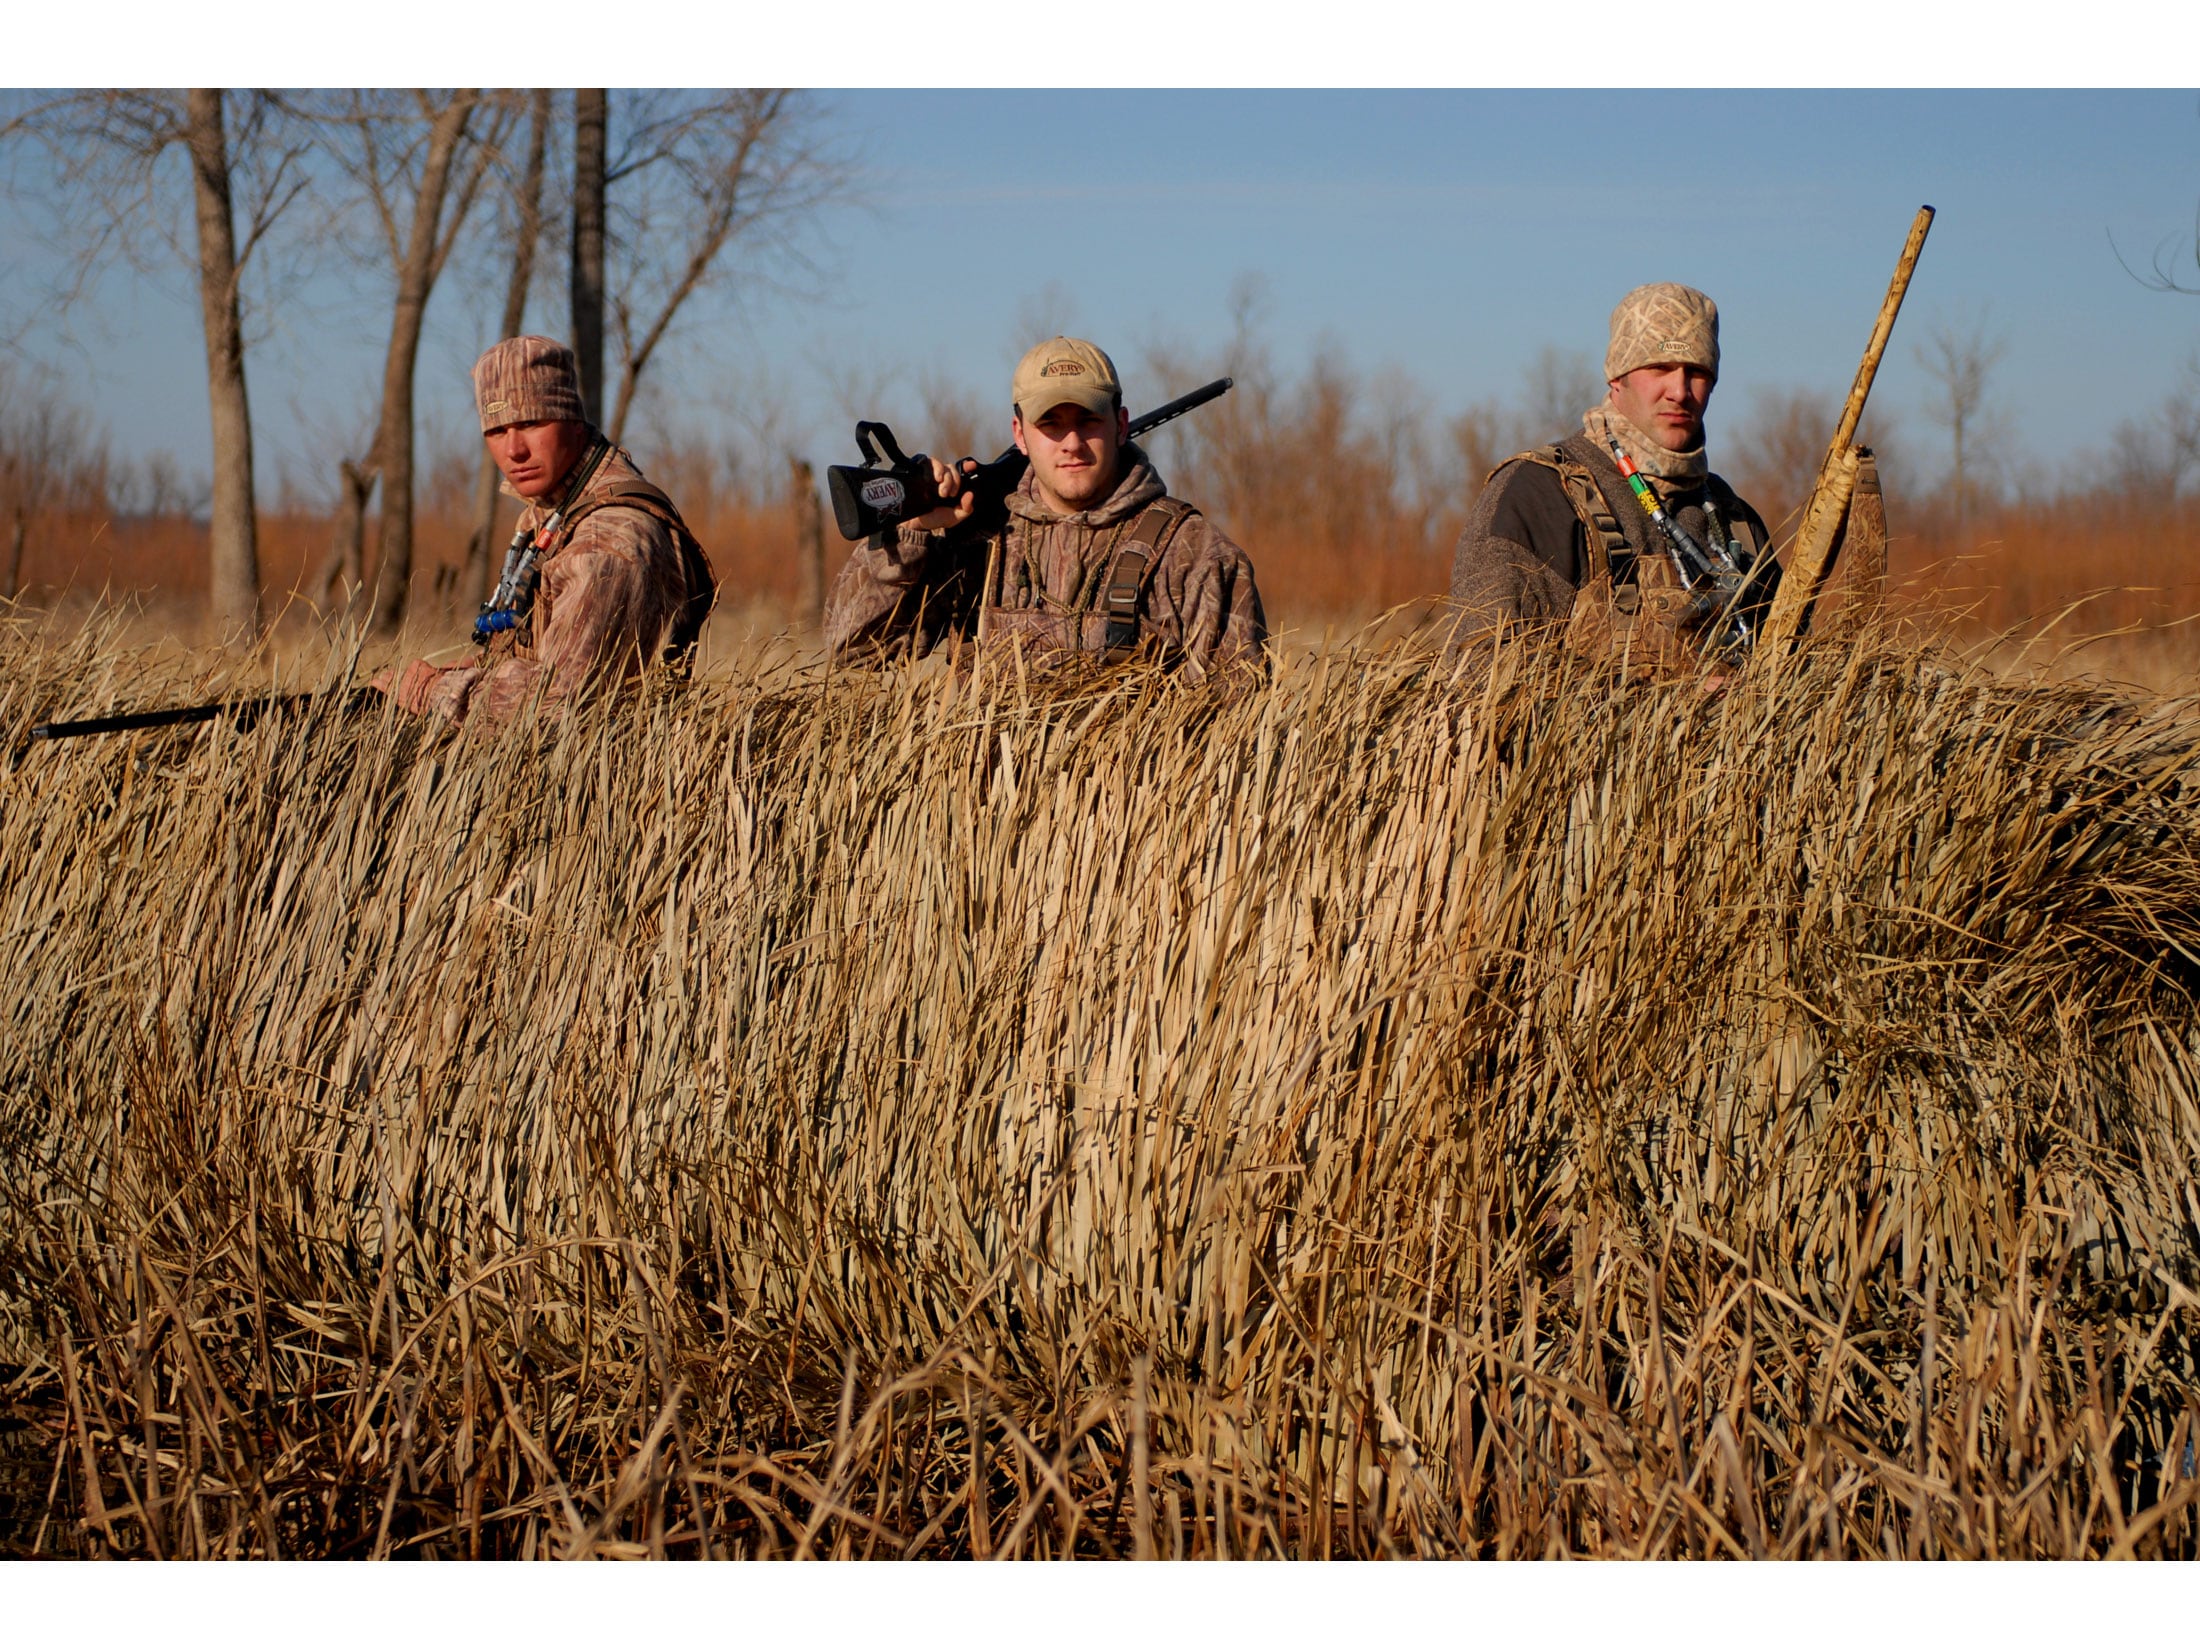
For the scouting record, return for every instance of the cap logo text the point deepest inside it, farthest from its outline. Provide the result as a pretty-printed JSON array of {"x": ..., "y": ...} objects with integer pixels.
[{"x": 1062, "y": 369}]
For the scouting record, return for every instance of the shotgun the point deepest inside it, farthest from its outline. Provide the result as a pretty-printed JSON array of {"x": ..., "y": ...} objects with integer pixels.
[
  {"x": 887, "y": 488},
  {"x": 243, "y": 712},
  {"x": 1810, "y": 562}
]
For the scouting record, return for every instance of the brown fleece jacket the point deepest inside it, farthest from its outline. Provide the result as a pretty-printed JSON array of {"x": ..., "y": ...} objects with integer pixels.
[{"x": 1200, "y": 607}]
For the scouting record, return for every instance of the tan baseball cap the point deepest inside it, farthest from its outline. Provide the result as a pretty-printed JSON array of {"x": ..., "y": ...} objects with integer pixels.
[{"x": 1066, "y": 369}]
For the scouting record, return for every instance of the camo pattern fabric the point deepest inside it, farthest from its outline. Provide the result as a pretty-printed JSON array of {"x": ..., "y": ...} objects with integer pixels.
[
  {"x": 1031, "y": 574},
  {"x": 607, "y": 606},
  {"x": 1663, "y": 321},
  {"x": 1525, "y": 557},
  {"x": 526, "y": 380},
  {"x": 1605, "y": 422},
  {"x": 1855, "y": 592}
]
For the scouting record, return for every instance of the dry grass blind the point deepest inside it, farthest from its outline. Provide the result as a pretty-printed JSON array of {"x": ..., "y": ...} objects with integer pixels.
[{"x": 1402, "y": 1110}]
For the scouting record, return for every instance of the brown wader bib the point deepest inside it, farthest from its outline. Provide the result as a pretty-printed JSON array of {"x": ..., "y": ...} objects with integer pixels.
[
  {"x": 695, "y": 568},
  {"x": 1630, "y": 603},
  {"x": 1101, "y": 623}
]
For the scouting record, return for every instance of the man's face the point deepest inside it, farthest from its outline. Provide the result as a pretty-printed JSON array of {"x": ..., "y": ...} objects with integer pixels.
[
  {"x": 536, "y": 457},
  {"x": 1665, "y": 401},
  {"x": 1074, "y": 452}
]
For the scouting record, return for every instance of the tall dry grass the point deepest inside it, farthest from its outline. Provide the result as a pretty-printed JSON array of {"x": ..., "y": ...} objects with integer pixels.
[
  {"x": 1398, "y": 1111},
  {"x": 2090, "y": 584}
]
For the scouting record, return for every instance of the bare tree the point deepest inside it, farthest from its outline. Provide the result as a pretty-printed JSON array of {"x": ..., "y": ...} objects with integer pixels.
[
  {"x": 51, "y": 458},
  {"x": 809, "y": 536},
  {"x": 107, "y": 151},
  {"x": 158, "y": 488},
  {"x": 691, "y": 180},
  {"x": 1960, "y": 359},
  {"x": 2183, "y": 414},
  {"x": 524, "y": 221},
  {"x": 1777, "y": 446},
  {"x": 958, "y": 422},
  {"x": 591, "y": 180},
  {"x": 418, "y": 161},
  {"x": 1052, "y": 310},
  {"x": 1556, "y": 388},
  {"x": 1480, "y": 439},
  {"x": 2149, "y": 458}
]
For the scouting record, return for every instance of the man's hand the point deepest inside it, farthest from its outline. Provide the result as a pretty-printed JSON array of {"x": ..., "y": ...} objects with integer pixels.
[
  {"x": 409, "y": 686},
  {"x": 956, "y": 504}
]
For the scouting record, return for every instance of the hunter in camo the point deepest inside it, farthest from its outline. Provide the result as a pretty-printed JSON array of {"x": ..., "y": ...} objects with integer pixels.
[
  {"x": 622, "y": 584},
  {"x": 1557, "y": 537},
  {"x": 1089, "y": 559}
]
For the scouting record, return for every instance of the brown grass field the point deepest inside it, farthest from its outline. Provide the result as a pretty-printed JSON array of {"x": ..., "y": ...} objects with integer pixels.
[
  {"x": 2081, "y": 585},
  {"x": 1401, "y": 1111}
]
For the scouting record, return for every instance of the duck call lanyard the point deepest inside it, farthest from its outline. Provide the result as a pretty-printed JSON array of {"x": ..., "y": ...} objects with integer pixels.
[
  {"x": 515, "y": 592},
  {"x": 1690, "y": 560}
]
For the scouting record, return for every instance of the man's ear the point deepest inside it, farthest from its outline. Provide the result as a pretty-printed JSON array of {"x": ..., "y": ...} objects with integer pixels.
[
  {"x": 1016, "y": 431},
  {"x": 1122, "y": 423}
]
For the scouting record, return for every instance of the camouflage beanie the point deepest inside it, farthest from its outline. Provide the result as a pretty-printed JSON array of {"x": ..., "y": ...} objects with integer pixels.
[
  {"x": 527, "y": 381},
  {"x": 1663, "y": 322}
]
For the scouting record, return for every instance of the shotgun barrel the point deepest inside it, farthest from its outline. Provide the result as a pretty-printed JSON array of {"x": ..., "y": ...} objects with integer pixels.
[
  {"x": 888, "y": 487},
  {"x": 244, "y": 712}
]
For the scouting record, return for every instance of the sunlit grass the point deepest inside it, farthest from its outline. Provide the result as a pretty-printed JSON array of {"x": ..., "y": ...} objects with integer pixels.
[{"x": 1405, "y": 1109}]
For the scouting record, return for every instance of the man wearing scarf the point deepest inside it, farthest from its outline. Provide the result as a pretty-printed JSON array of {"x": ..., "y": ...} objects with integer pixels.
[{"x": 1557, "y": 536}]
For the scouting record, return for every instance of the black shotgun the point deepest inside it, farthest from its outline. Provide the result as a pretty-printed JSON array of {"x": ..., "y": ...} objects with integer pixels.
[{"x": 887, "y": 487}]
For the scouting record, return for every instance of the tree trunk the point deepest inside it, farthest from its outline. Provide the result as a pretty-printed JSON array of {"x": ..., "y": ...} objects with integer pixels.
[
  {"x": 481, "y": 558},
  {"x": 15, "y": 557},
  {"x": 809, "y": 532},
  {"x": 393, "y": 443},
  {"x": 591, "y": 122},
  {"x": 1963, "y": 480},
  {"x": 346, "y": 555},
  {"x": 234, "y": 539}
]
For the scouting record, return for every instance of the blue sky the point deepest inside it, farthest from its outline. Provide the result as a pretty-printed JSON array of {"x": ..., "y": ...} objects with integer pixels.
[{"x": 1450, "y": 234}]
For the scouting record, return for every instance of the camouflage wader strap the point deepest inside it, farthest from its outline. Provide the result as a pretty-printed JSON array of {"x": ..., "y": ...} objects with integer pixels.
[
  {"x": 1133, "y": 568},
  {"x": 1608, "y": 548},
  {"x": 695, "y": 568}
]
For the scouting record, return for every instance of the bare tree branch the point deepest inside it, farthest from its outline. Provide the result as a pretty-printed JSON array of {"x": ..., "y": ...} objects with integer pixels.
[
  {"x": 418, "y": 160},
  {"x": 694, "y": 181},
  {"x": 108, "y": 154},
  {"x": 524, "y": 199},
  {"x": 1960, "y": 359}
]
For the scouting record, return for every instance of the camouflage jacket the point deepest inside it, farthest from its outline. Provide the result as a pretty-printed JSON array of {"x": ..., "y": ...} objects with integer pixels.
[
  {"x": 1031, "y": 578},
  {"x": 1527, "y": 553},
  {"x": 625, "y": 589}
]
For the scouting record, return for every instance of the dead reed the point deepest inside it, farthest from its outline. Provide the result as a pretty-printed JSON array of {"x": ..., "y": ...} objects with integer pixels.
[{"x": 1404, "y": 1110}]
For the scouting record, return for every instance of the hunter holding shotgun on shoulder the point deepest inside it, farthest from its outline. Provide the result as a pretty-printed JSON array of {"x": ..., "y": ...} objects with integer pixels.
[
  {"x": 1088, "y": 558},
  {"x": 602, "y": 580},
  {"x": 1622, "y": 532}
]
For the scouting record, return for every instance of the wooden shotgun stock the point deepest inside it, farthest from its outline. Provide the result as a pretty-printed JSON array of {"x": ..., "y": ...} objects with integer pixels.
[{"x": 1810, "y": 562}]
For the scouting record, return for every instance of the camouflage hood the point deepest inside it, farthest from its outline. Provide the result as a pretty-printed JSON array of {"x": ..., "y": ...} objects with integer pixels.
[{"x": 1138, "y": 486}]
